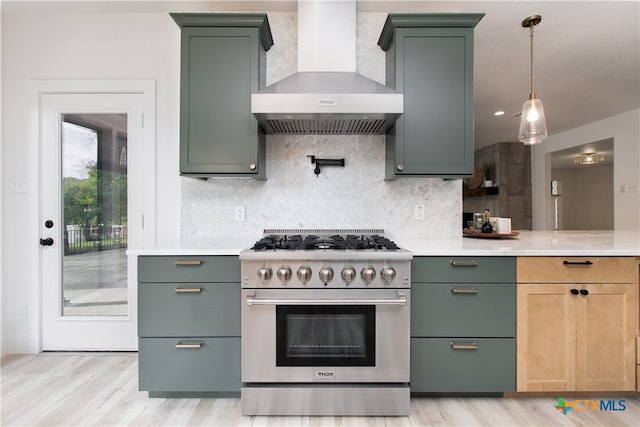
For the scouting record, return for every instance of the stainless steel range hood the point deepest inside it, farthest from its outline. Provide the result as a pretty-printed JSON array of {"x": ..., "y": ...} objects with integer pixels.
[{"x": 326, "y": 95}]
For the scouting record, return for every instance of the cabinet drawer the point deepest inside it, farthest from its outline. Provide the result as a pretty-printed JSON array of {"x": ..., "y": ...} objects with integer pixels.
[
  {"x": 207, "y": 364},
  {"x": 576, "y": 269},
  {"x": 479, "y": 365},
  {"x": 463, "y": 310},
  {"x": 188, "y": 269},
  {"x": 192, "y": 309},
  {"x": 463, "y": 269}
]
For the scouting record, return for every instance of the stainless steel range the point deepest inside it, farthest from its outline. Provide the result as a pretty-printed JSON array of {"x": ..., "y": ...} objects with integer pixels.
[{"x": 325, "y": 324}]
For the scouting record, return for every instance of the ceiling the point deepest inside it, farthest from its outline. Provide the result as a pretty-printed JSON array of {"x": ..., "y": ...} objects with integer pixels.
[{"x": 586, "y": 54}]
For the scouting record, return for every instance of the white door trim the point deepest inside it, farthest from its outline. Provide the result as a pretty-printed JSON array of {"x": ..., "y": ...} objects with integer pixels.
[{"x": 144, "y": 197}]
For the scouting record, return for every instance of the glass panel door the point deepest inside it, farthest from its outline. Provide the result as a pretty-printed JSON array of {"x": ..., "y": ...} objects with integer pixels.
[
  {"x": 94, "y": 203},
  {"x": 91, "y": 161}
]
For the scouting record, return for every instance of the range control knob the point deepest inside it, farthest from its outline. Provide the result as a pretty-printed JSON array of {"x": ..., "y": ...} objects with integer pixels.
[
  {"x": 368, "y": 274},
  {"x": 284, "y": 273},
  {"x": 264, "y": 273},
  {"x": 388, "y": 274},
  {"x": 326, "y": 274},
  {"x": 304, "y": 273},
  {"x": 348, "y": 274}
]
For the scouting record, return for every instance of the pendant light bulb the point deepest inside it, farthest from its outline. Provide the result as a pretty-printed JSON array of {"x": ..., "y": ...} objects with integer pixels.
[{"x": 533, "y": 126}]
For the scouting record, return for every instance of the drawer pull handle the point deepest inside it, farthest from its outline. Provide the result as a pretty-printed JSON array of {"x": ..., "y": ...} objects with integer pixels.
[
  {"x": 464, "y": 291},
  {"x": 565, "y": 262},
  {"x": 181, "y": 344},
  {"x": 188, "y": 290},
  {"x": 472, "y": 346},
  {"x": 472, "y": 263},
  {"x": 188, "y": 262}
]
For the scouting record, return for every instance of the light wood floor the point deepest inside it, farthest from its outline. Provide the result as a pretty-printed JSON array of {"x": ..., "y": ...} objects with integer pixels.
[{"x": 89, "y": 389}]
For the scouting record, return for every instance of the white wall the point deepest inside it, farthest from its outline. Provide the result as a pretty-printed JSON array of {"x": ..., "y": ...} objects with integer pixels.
[
  {"x": 586, "y": 201},
  {"x": 2, "y": 334},
  {"x": 107, "y": 46},
  {"x": 625, "y": 131}
]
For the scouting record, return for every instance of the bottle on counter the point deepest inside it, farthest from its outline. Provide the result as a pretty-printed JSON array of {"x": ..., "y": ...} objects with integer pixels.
[{"x": 486, "y": 222}]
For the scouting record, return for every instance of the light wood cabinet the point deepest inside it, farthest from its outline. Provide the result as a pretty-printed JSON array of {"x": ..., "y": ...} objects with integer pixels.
[{"x": 577, "y": 334}]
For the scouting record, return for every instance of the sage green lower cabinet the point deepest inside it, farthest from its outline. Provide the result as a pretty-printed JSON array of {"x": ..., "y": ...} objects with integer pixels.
[
  {"x": 463, "y": 325},
  {"x": 189, "y": 325},
  {"x": 189, "y": 365},
  {"x": 478, "y": 365},
  {"x": 189, "y": 309}
]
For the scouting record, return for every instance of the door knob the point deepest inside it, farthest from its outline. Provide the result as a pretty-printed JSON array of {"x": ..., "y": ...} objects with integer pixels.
[{"x": 46, "y": 242}]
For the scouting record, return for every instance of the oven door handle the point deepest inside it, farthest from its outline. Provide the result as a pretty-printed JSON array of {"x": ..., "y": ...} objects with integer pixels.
[{"x": 400, "y": 300}]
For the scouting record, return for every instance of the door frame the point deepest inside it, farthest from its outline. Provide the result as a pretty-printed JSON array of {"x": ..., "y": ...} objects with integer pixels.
[{"x": 143, "y": 196}]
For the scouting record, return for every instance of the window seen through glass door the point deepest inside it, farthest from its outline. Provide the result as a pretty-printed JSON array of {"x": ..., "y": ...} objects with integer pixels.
[{"x": 94, "y": 189}]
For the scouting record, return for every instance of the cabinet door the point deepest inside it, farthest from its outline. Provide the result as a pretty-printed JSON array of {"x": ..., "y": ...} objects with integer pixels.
[
  {"x": 450, "y": 365},
  {"x": 546, "y": 337},
  {"x": 188, "y": 309},
  {"x": 178, "y": 364},
  {"x": 434, "y": 70},
  {"x": 605, "y": 327},
  {"x": 218, "y": 133},
  {"x": 463, "y": 310}
]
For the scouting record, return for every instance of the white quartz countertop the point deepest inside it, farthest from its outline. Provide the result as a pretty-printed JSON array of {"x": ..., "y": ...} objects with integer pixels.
[
  {"x": 527, "y": 243},
  {"x": 217, "y": 246},
  {"x": 533, "y": 243}
]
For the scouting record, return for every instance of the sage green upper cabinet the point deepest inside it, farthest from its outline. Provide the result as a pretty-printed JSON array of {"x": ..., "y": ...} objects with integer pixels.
[
  {"x": 429, "y": 58},
  {"x": 223, "y": 60}
]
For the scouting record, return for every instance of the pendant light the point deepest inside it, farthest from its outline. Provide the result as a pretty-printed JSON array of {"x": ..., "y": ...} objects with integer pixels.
[{"x": 533, "y": 127}]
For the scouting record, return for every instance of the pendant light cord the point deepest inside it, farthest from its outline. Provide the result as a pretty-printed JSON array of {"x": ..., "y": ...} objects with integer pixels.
[{"x": 532, "y": 95}]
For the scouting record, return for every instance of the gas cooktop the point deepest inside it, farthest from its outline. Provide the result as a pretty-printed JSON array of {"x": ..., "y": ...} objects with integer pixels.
[
  {"x": 324, "y": 244},
  {"x": 324, "y": 239},
  {"x": 333, "y": 242}
]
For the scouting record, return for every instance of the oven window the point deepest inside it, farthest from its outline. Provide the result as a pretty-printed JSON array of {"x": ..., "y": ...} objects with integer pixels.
[{"x": 320, "y": 335}]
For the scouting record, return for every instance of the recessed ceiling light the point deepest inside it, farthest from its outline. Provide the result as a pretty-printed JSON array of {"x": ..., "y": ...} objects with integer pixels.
[{"x": 499, "y": 113}]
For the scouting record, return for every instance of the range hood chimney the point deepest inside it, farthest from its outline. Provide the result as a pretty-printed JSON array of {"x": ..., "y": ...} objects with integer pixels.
[{"x": 326, "y": 95}]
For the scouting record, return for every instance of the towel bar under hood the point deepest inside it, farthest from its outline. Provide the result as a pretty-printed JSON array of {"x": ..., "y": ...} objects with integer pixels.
[{"x": 328, "y": 96}]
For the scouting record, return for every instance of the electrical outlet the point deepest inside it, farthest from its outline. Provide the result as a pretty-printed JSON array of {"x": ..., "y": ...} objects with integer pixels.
[
  {"x": 239, "y": 214},
  {"x": 22, "y": 312},
  {"x": 632, "y": 188},
  {"x": 18, "y": 185},
  {"x": 418, "y": 212}
]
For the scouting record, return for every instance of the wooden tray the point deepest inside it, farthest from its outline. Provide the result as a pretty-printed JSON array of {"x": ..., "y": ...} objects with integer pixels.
[{"x": 480, "y": 235}]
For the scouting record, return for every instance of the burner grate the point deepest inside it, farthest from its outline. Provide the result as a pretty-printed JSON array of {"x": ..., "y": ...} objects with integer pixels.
[{"x": 322, "y": 241}]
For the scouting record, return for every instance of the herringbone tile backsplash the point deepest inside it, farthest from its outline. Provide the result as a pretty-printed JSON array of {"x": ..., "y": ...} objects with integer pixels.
[{"x": 353, "y": 196}]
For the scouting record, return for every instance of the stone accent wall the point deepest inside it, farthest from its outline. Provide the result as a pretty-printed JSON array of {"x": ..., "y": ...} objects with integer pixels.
[{"x": 513, "y": 178}]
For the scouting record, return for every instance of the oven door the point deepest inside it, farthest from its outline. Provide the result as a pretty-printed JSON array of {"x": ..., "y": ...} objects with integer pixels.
[{"x": 325, "y": 335}]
